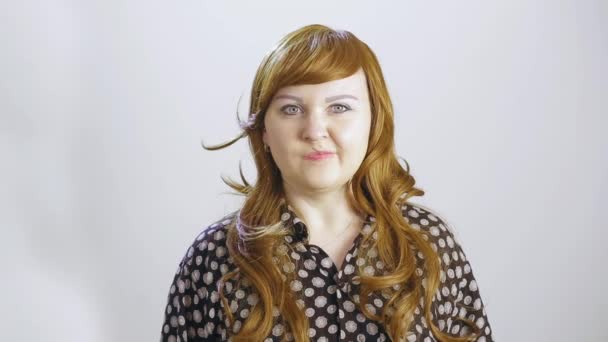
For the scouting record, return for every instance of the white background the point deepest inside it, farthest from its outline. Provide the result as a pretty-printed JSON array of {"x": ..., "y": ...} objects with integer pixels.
[{"x": 501, "y": 111}]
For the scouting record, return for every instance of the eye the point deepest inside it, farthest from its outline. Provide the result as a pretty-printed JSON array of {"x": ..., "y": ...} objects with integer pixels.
[
  {"x": 288, "y": 109},
  {"x": 341, "y": 108}
]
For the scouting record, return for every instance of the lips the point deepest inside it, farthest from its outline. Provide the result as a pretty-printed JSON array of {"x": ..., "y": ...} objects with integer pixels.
[{"x": 318, "y": 155}]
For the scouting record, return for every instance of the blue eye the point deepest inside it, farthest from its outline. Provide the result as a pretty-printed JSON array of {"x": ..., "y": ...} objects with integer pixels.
[
  {"x": 283, "y": 109},
  {"x": 346, "y": 108},
  {"x": 293, "y": 110}
]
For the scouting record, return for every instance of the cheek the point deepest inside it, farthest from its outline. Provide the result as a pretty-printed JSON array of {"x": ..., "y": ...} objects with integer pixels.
[
  {"x": 353, "y": 134},
  {"x": 280, "y": 142},
  {"x": 275, "y": 135}
]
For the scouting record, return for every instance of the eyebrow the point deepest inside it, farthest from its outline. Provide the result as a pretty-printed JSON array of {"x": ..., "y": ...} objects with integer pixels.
[{"x": 327, "y": 99}]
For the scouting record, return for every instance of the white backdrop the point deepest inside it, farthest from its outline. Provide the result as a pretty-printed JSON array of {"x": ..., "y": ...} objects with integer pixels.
[{"x": 500, "y": 108}]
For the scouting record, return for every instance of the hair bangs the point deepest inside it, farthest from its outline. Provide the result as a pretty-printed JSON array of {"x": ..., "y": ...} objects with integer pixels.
[{"x": 312, "y": 57}]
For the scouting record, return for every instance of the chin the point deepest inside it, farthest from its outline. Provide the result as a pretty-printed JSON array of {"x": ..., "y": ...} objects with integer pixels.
[{"x": 319, "y": 184}]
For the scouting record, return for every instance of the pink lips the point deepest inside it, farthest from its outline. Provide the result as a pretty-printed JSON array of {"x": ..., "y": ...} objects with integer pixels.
[{"x": 318, "y": 155}]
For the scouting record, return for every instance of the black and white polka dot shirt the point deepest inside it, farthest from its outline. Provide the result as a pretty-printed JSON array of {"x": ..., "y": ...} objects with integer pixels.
[{"x": 194, "y": 311}]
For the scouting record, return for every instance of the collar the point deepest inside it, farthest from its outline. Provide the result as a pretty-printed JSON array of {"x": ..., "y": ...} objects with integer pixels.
[
  {"x": 292, "y": 221},
  {"x": 299, "y": 230}
]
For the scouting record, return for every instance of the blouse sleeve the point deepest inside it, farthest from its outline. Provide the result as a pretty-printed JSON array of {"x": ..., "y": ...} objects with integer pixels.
[
  {"x": 190, "y": 315},
  {"x": 467, "y": 302},
  {"x": 458, "y": 296}
]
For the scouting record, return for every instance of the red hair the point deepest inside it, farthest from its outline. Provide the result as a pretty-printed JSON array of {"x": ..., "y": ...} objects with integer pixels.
[{"x": 311, "y": 55}]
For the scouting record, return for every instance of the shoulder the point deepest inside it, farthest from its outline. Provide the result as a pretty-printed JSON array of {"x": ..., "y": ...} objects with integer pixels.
[
  {"x": 208, "y": 251},
  {"x": 458, "y": 295},
  {"x": 442, "y": 237},
  {"x": 429, "y": 221},
  {"x": 214, "y": 235},
  {"x": 193, "y": 302}
]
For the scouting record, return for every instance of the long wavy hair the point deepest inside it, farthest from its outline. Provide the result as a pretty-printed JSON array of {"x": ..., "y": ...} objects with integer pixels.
[{"x": 311, "y": 55}]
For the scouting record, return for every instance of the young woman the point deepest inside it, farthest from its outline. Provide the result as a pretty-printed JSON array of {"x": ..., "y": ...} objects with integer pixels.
[{"x": 326, "y": 246}]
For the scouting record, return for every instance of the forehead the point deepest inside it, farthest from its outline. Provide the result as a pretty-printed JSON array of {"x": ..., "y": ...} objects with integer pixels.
[{"x": 353, "y": 84}]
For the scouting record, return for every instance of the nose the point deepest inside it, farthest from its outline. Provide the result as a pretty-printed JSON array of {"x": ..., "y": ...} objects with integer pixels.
[{"x": 315, "y": 126}]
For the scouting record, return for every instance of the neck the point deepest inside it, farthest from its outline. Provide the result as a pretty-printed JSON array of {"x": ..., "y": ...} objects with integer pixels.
[{"x": 324, "y": 213}]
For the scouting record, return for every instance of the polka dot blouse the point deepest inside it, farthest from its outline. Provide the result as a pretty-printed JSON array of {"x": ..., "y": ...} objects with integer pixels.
[{"x": 329, "y": 295}]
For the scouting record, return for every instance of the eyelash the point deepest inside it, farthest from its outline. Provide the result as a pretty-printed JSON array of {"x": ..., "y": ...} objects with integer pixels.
[{"x": 347, "y": 108}]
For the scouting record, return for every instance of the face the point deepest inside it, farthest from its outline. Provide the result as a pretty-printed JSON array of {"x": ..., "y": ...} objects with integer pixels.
[{"x": 318, "y": 133}]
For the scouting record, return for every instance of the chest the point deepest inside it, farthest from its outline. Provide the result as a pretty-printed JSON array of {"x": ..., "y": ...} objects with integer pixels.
[
  {"x": 329, "y": 296},
  {"x": 336, "y": 248}
]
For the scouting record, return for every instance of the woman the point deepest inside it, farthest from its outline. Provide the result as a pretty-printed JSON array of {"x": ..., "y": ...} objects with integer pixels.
[{"x": 326, "y": 246}]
